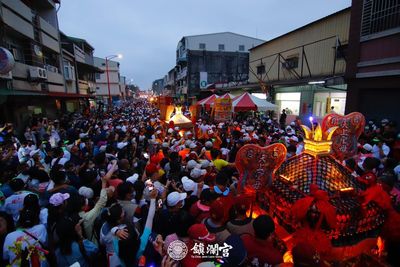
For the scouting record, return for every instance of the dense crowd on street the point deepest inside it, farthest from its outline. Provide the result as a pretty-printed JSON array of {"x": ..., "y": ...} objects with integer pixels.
[{"x": 120, "y": 188}]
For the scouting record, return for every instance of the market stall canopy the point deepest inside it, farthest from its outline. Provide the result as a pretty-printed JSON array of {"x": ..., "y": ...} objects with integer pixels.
[
  {"x": 227, "y": 95},
  {"x": 248, "y": 102},
  {"x": 224, "y": 96},
  {"x": 207, "y": 102}
]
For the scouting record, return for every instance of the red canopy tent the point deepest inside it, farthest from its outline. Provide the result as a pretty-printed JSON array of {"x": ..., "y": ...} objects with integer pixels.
[
  {"x": 227, "y": 95},
  {"x": 243, "y": 103},
  {"x": 248, "y": 102},
  {"x": 207, "y": 102}
]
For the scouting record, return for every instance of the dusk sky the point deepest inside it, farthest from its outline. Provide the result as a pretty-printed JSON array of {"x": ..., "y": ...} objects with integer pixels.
[{"x": 147, "y": 32}]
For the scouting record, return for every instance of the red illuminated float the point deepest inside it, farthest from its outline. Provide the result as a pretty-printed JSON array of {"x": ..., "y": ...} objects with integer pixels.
[{"x": 312, "y": 195}]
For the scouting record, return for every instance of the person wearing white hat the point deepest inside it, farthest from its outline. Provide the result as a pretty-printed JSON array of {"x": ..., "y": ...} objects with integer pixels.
[
  {"x": 132, "y": 179},
  {"x": 196, "y": 173},
  {"x": 192, "y": 164},
  {"x": 122, "y": 145},
  {"x": 86, "y": 192},
  {"x": 191, "y": 186},
  {"x": 176, "y": 200}
]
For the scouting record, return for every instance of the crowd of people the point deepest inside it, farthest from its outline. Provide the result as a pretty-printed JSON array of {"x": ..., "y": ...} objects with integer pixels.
[{"x": 123, "y": 188}]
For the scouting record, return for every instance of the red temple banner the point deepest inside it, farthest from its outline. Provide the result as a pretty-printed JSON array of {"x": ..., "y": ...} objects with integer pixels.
[
  {"x": 344, "y": 140},
  {"x": 222, "y": 109},
  {"x": 257, "y": 165}
]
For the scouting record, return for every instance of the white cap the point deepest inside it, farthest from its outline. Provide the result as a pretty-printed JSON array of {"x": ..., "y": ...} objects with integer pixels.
[
  {"x": 170, "y": 130},
  {"x": 205, "y": 164},
  {"x": 192, "y": 146},
  {"x": 292, "y": 123},
  {"x": 176, "y": 128},
  {"x": 197, "y": 173},
  {"x": 367, "y": 147},
  {"x": 86, "y": 192},
  {"x": 188, "y": 184},
  {"x": 210, "y": 131},
  {"x": 224, "y": 151},
  {"x": 121, "y": 145},
  {"x": 192, "y": 164},
  {"x": 165, "y": 145},
  {"x": 103, "y": 148},
  {"x": 188, "y": 143},
  {"x": 209, "y": 144},
  {"x": 132, "y": 179},
  {"x": 174, "y": 197}
]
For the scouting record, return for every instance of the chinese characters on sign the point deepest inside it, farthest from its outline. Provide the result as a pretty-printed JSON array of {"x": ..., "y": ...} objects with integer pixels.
[
  {"x": 201, "y": 250},
  {"x": 178, "y": 250},
  {"x": 256, "y": 165},
  {"x": 223, "y": 109},
  {"x": 344, "y": 139}
]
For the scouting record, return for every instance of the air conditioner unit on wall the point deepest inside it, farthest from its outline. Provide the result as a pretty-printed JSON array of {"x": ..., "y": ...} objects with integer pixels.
[{"x": 36, "y": 73}]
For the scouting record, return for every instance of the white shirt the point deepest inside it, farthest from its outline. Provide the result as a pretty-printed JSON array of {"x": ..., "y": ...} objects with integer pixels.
[
  {"x": 14, "y": 203},
  {"x": 22, "y": 152},
  {"x": 38, "y": 231}
]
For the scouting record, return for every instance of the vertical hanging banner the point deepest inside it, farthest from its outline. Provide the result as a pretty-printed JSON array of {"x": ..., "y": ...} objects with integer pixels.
[
  {"x": 222, "y": 109},
  {"x": 344, "y": 139},
  {"x": 203, "y": 80},
  {"x": 163, "y": 103}
]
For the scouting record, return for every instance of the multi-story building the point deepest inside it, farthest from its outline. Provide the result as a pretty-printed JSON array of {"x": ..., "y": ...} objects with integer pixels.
[
  {"x": 209, "y": 61},
  {"x": 29, "y": 29},
  {"x": 158, "y": 86},
  {"x": 303, "y": 70},
  {"x": 373, "y": 61},
  {"x": 110, "y": 86},
  {"x": 79, "y": 72},
  {"x": 169, "y": 82}
]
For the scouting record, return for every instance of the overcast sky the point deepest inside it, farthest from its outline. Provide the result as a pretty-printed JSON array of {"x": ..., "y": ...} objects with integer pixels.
[{"x": 147, "y": 32}]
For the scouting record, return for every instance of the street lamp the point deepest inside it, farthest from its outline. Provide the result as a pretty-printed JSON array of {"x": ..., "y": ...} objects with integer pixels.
[{"x": 108, "y": 78}]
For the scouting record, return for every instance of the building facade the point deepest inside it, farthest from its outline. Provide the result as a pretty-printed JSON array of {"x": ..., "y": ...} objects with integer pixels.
[
  {"x": 303, "y": 70},
  {"x": 158, "y": 86},
  {"x": 373, "y": 63},
  {"x": 79, "y": 73},
  {"x": 110, "y": 87},
  {"x": 208, "y": 61},
  {"x": 29, "y": 29},
  {"x": 169, "y": 83}
]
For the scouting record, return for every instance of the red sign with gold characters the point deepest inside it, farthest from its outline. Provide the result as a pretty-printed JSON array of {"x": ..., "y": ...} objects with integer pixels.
[
  {"x": 223, "y": 109},
  {"x": 344, "y": 139},
  {"x": 257, "y": 165}
]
